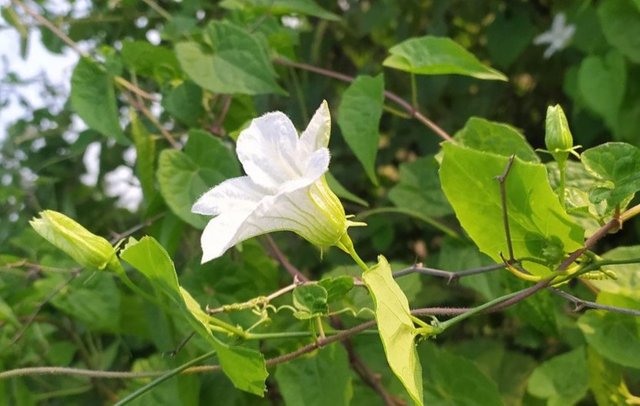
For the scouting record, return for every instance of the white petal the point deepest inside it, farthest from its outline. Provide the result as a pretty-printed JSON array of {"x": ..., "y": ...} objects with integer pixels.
[
  {"x": 317, "y": 133},
  {"x": 222, "y": 233},
  {"x": 268, "y": 150},
  {"x": 231, "y": 195}
]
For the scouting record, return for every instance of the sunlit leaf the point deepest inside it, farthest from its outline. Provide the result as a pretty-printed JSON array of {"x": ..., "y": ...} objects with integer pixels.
[
  {"x": 539, "y": 226},
  {"x": 438, "y": 56},
  {"x": 395, "y": 327}
]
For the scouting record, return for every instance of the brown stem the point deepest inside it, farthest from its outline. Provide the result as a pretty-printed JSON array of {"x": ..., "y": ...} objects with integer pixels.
[
  {"x": 143, "y": 109},
  {"x": 389, "y": 95},
  {"x": 279, "y": 256}
]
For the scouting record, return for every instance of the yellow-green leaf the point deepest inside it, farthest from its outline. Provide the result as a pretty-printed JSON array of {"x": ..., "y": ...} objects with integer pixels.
[{"x": 396, "y": 327}]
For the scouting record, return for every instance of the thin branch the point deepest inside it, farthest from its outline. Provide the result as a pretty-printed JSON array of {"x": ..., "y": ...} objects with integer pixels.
[
  {"x": 118, "y": 236},
  {"x": 360, "y": 367},
  {"x": 581, "y": 304},
  {"x": 217, "y": 127},
  {"x": 503, "y": 197},
  {"x": 75, "y": 273},
  {"x": 55, "y": 30},
  {"x": 279, "y": 256},
  {"x": 449, "y": 275},
  {"x": 135, "y": 89},
  {"x": 389, "y": 95},
  {"x": 143, "y": 109}
]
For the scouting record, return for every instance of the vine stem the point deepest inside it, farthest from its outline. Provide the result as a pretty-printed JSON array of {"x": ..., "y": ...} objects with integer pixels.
[
  {"x": 141, "y": 391},
  {"x": 413, "y": 112}
]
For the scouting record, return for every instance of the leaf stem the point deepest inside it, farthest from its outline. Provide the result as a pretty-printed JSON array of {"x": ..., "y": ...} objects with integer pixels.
[
  {"x": 139, "y": 392},
  {"x": 503, "y": 197}
]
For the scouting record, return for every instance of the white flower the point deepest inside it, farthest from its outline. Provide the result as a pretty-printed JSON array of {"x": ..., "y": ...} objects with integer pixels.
[
  {"x": 284, "y": 189},
  {"x": 558, "y": 35}
]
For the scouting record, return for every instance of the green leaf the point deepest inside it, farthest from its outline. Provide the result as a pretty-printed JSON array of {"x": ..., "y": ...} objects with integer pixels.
[
  {"x": 92, "y": 298},
  {"x": 602, "y": 83},
  {"x": 509, "y": 369},
  {"x": 149, "y": 60},
  {"x": 342, "y": 192},
  {"x": 235, "y": 62},
  {"x": 498, "y": 138},
  {"x": 395, "y": 327},
  {"x": 605, "y": 380},
  {"x": 438, "y": 56},
  {"x": 245, "y": 367},
  {"x": 279, "y": 7},
  {"x": 419, "y": 189},
  {"x": 310, "y": 301},
  {"x": 336, "y": 287},
  {"x": 145, "y": 157},
  {"x": 94, "y": 100},
  {"x": 627, "y": 280},
  {"x": 83, "y": 246},
  {"x": 508, "y": 36},
  {"x": 615, "y": 336},
  {"x": 617, "y": 166},
  {"x": 620, "y": 20},
  {"x": 359, "y": 118},
  {"x": 537, "y": 230},
  {"x": 185, "y": 176},
  {"x": 184, "y": 102},
  {"x": 324, "y": 378},
  {"x": 562, "y": 380},
  {"x": 453, "y": 380}
]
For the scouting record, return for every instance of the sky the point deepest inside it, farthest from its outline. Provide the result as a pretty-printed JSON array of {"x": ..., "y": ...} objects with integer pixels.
[
  {"x": 39, "y": 61},
  {"x": 57, "y": 69}
]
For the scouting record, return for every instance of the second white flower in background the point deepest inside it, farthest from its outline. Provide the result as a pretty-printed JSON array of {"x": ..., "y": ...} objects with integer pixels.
[{"x": 284, "y": 189}]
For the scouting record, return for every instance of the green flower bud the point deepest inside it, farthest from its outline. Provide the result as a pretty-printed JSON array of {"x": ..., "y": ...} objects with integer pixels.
[
  {"x": 558, "y": 139},
  {"x": 84, "y": 247}
]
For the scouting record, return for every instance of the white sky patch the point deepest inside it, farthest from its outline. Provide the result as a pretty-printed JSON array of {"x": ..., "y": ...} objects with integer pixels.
[
  {"x": 153, "y": 36},
  {"x": 123, "y": 184},
  {"x": 292, "y": 22},
  {"x": 91, "y": 160},
  {"x": 129, "y": 156}
]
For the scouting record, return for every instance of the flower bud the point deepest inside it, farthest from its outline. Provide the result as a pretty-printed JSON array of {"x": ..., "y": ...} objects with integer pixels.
[
  {"x": 558, "y": 139},
  {"x": 84, "y": 247}
]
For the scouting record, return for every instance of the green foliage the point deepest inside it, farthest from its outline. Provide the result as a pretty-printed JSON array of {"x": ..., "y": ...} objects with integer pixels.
[
  {"x": 617, "y": 166},
  {"x": 359, "y": 117},
  {"x": 550, "y": 380},
  {"x": 453, "y": 380},
  {"x": 185, "y": 175},
  {"x": 541, "y": 231},
  {"x": 396, "y": 327},
  {"x": 438, "y": 56},
  {"x": 231, "y": 61},
  {"x": 324, "y": 378},
  {"x": 177, "y": 82},
  {"x": 498, "y": 138},
  {"x": 94, "y": 100}
]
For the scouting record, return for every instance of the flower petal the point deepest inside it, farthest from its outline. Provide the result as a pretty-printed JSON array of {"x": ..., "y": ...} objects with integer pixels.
[
  {"x": 317, "y": 133},
  {"x": 221, "y": 233},
  {"x": 231, "y": 195},
  {"x": 268, "y": 150},
  {"x": 314, "y": 167}
]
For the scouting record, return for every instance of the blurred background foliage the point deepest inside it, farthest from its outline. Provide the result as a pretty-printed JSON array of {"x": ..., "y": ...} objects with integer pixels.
[{"x": 52, "y": 313}]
